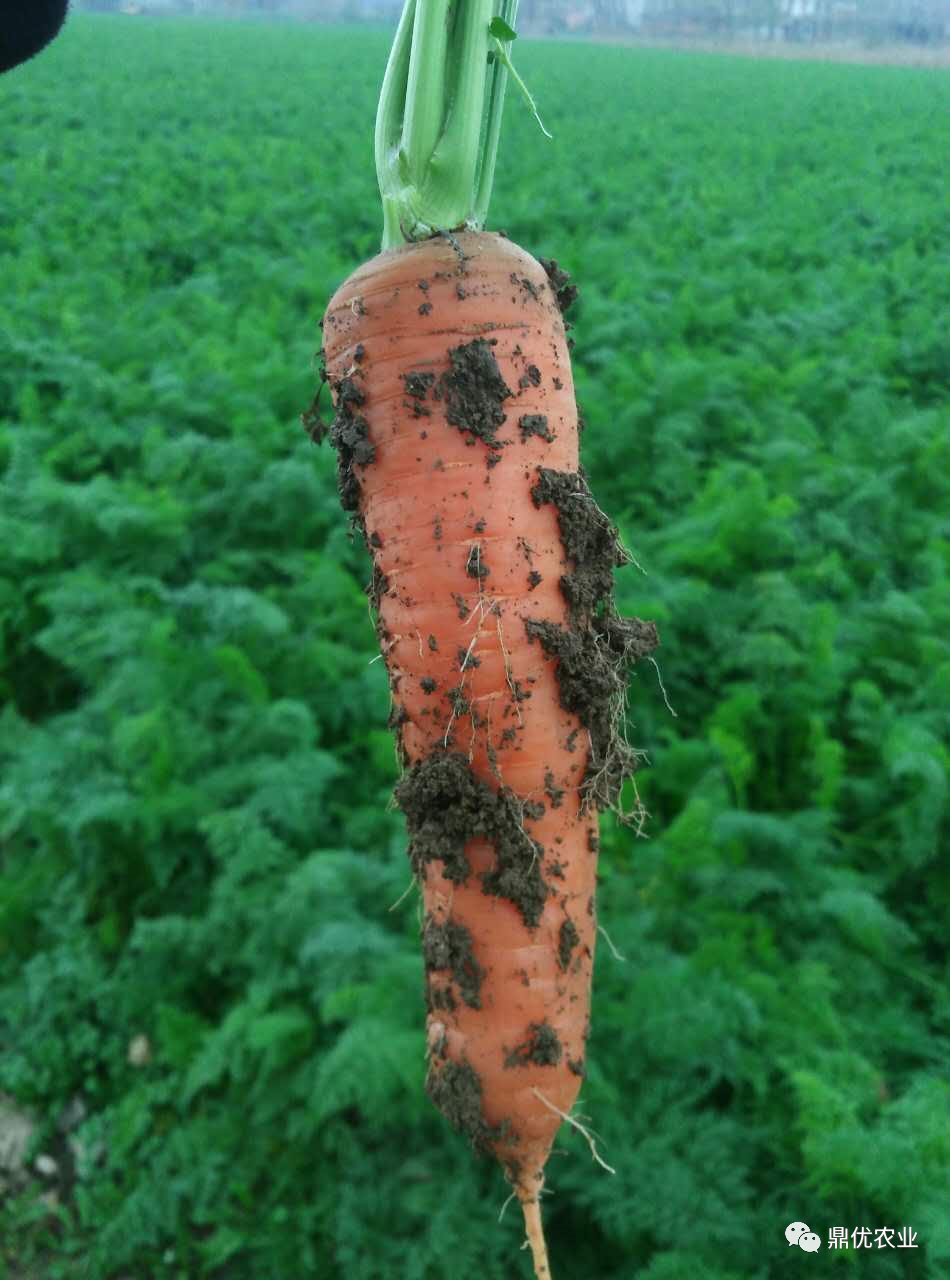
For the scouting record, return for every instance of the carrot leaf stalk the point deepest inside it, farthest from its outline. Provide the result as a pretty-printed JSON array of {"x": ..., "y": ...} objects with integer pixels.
[
  {"x": 503, "y": 35},
  {"x": 439, "y": 115}
]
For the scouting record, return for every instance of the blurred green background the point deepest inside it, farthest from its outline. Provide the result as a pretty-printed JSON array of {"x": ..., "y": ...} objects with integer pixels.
[{"x": 211, "y": 1012}]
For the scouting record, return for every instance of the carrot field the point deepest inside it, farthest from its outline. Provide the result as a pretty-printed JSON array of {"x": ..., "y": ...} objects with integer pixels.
[{"x": 211, "y": 991}]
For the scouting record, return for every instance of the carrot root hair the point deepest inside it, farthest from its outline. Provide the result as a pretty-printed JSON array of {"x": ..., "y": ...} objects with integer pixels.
[{"x": 576, "y": 1124}]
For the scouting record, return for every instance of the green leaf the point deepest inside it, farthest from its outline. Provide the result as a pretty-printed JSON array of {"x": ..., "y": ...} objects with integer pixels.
[
  {"x": 284, "y": 1030},
  {"x": 241, "y": 674},
  {"x": 179, "y": 1034},
  {"x": 502, "y": 51},
  {"x": 224, "y": 1244},
  {"x": 500, "y": 29},
  {"x": 374, "y": 1066},
  {"x": 738, "y": 759}
]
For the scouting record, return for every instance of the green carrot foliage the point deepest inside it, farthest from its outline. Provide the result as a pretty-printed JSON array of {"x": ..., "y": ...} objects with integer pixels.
[{"x": 209, "y": 1003}]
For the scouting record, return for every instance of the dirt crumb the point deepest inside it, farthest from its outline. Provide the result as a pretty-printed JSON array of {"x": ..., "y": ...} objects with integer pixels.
[
  {"x": 535, "y": 424},
  {"x": 449, "y": 946},
  {"x": 568, "y": 938},
  {"x": 446, "y": 804},
  {"x": 474, "y": 391},
  {"x": 349, "y": 435},
  {"x": 418, "y": 384},
  {"x": 475, "y": 566},
  {"x": 541, "y": 1047},
  {"x": 553, "y": 792},
  {"x": 596, "y": 648},
  {"x": 564, "y": 291},
  {"x": 456, "y": 1090}
]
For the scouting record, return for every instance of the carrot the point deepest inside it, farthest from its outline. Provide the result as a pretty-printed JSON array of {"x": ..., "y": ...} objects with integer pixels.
[{"x": 458, "y": 440}]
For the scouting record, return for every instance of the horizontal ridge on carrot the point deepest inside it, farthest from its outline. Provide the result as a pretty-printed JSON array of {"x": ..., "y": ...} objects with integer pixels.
[{"x": 457, "y": 433}]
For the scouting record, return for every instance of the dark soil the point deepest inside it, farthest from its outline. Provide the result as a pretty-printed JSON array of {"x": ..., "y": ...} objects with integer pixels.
[
  {"x": 535, "y": 424},
  {"x": 474, "y": 390},
  {"x": 418, "y": 384},
  {"x": 449, "y": 946},
  {"x": 456, "y": 1090},
  {"x": 349, "y": 435},
  {"x": 542, "y": 1048},
  {"x": 589, "y": 539},
  {"x": 475, "y": 566},
  {"x": 595, "y": 649},
  {"x": 568, "y": 938},
  {"x": 591, "y": 681},
  {"x": 564, "y": 291},
  {"x": 446, "y": 804}
]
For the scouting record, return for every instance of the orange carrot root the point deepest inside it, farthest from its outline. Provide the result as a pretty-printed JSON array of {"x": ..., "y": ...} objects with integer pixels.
[
  {"x": 535, "y": 1233},
  {"x": 457, "y": 433}
]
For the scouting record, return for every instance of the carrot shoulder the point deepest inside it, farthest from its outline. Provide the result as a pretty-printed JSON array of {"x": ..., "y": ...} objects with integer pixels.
[{"x": 457, "y": 433}]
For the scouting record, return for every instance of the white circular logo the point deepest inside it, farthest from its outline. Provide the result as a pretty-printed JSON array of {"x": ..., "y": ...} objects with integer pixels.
[{"x": 801, "y": 1234}]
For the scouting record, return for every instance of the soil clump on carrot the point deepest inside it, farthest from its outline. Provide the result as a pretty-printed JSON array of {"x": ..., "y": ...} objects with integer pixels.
[
  {"x": 564, "y": 291},
  {"x": 474, "y": 390},
  {"x": 542, "y": 1047},
  {"x": 349, "y": 435},
  {"x": 568, "y": 938},
  {"x": 593, "y": 652},
  {"x": 446, "y": 804},
  {"x": 449, "y": 947},
  {"x": 535, "y": 424},
  {"x": 457, "y": 1092}
]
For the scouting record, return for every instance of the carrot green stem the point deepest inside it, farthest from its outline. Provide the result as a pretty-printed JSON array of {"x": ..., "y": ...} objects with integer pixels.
[
  {"x": 496, "y": 101},
  {"x": 439, "y": 117}
]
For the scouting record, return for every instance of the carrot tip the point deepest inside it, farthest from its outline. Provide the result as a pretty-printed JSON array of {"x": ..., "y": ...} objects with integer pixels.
[{"x": 535, "y": 1233}]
